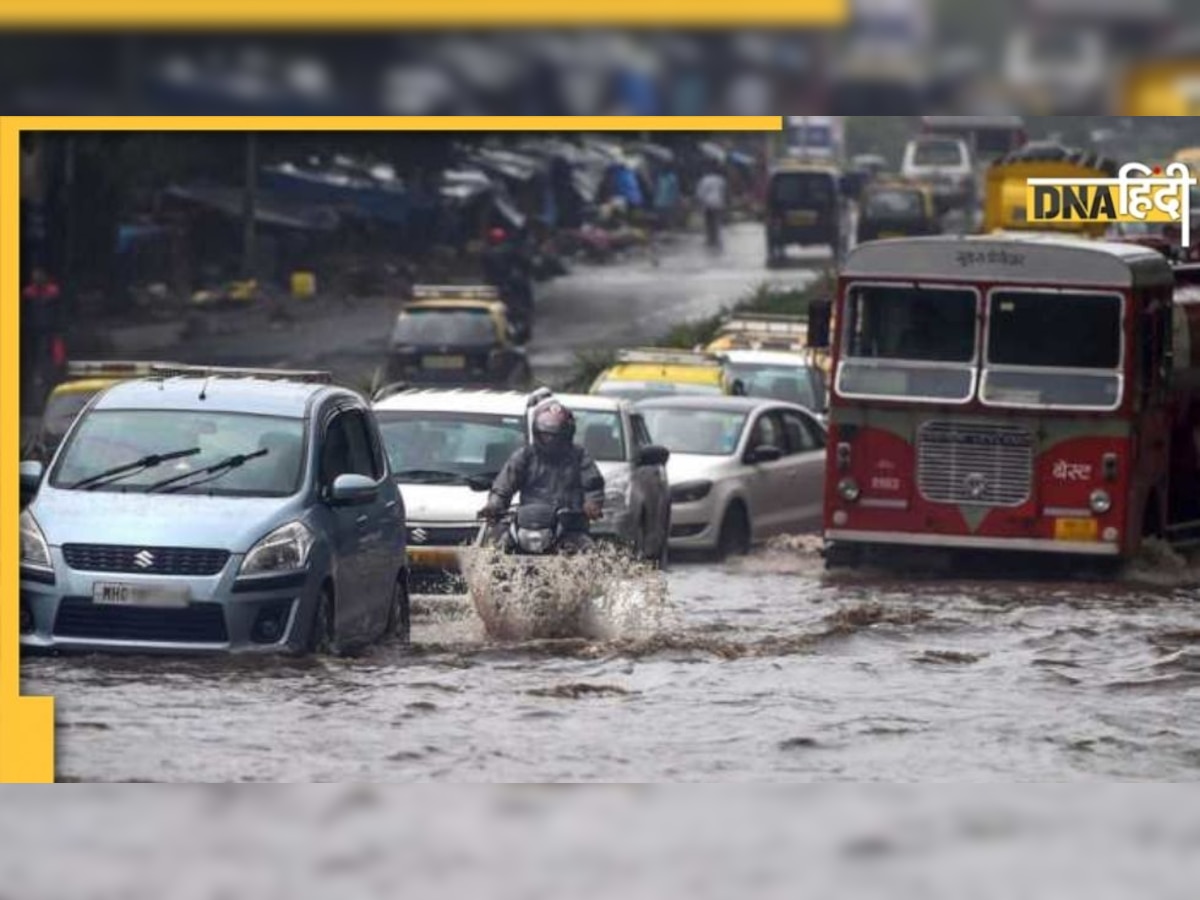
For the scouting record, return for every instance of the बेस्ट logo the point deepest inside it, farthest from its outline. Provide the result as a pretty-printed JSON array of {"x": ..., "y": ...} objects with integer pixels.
[{"x": 1138, "y": 194}]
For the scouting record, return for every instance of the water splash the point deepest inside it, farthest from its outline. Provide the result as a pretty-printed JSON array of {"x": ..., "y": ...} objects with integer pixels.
[{"x": 601, "y": 595}]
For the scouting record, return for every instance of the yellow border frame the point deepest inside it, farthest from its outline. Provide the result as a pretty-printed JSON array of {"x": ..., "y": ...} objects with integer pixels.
[
  {"x": 27, "y": 723},
  {"x": 301, "y": 14}
]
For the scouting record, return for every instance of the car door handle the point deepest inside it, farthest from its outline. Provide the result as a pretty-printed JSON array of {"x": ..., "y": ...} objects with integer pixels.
[{"x": 362, "y": 521}]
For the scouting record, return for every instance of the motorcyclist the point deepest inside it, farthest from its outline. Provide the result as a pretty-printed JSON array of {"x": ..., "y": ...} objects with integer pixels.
[
  {"x": 506, "y": 268},
  {"x": 553, "y": 470}
]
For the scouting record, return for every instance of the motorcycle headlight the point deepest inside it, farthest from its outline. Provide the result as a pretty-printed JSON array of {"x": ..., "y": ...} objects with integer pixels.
[
  {"x": 35, "y": 552},
  {"x": 283, "y": 550},
  {"x": 690, "y": 491},
  {"x": 534, "y": 540},
  {"x": 1100, "y": 501}
]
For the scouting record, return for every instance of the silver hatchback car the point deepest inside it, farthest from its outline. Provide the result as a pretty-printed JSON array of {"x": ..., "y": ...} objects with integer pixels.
[{"x": 215, "y": 510}]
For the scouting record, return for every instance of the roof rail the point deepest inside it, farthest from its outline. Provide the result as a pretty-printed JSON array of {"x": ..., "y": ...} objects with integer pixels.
[
  {"x": 174, "y": 370},
  {"x": 455, "y": 292},
  {"x": 114, "y": 368},
  {"x": 659, "y": 356}
]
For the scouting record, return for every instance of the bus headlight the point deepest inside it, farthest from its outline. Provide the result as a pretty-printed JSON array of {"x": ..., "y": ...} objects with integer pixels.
[
  {"x": 1100, "y": 502},
  {"x": 848, "y": 490}
]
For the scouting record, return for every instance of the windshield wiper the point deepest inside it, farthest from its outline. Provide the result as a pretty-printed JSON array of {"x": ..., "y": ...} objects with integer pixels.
[
  {"x": 108, "y": 476},
  {"x": 216, "y": 470},
  {"x": 429, "y": 476}
]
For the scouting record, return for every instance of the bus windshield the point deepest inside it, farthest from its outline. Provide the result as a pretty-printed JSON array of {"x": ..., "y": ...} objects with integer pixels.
[
  {"x": 1053, "y": 350},
  {"x": 907, "y": 342}
]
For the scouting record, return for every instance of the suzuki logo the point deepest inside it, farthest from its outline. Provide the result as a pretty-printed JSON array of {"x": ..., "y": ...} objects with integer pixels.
[
  {"x": 143, "y": 559},
  {"x": 975, "y": 484},
  {"x": 419, "y": 535}
]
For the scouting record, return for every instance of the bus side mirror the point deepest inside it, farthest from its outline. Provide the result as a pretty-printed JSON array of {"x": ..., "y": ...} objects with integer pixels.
[{"x": 819, "y": 312}]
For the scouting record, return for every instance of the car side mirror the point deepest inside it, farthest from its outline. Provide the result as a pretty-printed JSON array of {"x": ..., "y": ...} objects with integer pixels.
[
  {"x": 32, "y": 471},
  {"x": 653, "y": 455},
  {"x": 764, "y": 453},
  {"x": 352, "y": 490}
]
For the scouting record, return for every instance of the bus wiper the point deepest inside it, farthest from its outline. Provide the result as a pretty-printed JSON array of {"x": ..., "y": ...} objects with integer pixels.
[
  {"x": 429, "y": 476},
  {"x": 216, "y": 470},
  {"x": 108, "y": 476}
]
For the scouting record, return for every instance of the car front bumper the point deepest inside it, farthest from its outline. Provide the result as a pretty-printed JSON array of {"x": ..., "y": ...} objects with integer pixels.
[
  {"x": 695, "y": 526},
  {"x": 222, "y": 612}
]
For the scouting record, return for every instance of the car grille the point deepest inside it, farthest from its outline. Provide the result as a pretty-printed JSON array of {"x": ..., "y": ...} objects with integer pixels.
[
  {"x": 422, "y": 536},
  {"x": 200, "y": 623},
  {"x": 979, "y": 464},
  {"x": 144, "y": 560}
]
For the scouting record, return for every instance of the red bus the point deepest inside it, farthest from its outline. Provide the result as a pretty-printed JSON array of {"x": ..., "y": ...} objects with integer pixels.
[{"x": 1011, "y": 393}]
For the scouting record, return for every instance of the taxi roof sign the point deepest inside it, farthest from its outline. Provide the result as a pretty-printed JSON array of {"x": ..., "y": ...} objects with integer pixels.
[{"x": 455, "y": 292}]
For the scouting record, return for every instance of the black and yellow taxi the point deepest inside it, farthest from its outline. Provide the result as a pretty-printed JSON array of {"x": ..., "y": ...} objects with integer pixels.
[
  {"x": 452, "y": 336},
  {"x": 892, "y": 208}
]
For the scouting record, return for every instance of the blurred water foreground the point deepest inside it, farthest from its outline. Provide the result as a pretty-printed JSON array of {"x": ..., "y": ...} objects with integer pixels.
[{"x": 356, "y": 841}]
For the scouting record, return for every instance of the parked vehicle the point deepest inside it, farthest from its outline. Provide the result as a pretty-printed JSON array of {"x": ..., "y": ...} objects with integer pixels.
[
  {"x": 437, "y": 442},
  {"x": 890, "y": 210},
  {"x": 741, "y": 469},
  {"x": 804, "y": 208},
  {"x": 455, "y": 337},
  {"x": 778, "y": 375},
  {"x": 1011, "y": 393},
  {"x": 638, "y": 374},
  {"x": 945, "y": 166},
  {"x": 637, "y": 503},
  {"x": 215, "y": 509}
]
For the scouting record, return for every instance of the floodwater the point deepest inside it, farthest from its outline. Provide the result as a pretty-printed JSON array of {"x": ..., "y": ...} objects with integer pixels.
[{"x": 762, "y": 669}]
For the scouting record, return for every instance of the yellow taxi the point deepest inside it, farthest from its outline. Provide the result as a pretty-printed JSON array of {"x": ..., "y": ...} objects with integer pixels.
[
  {"x": 641, "y": 374},
  {"x": 767, "y": 332},
  {"x": 85, "y": 379},
  {"x": 455, "y": 336}
]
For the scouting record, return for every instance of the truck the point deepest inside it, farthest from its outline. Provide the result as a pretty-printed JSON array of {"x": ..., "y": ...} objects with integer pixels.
[{"x": 1012, "y": 394}]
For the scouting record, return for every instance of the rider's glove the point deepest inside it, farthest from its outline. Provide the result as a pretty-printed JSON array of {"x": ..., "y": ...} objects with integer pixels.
[{"x": 593, "y": 510}]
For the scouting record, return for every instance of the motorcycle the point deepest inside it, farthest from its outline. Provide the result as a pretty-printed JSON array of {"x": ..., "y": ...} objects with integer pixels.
[{"x": 522, "y": 586}]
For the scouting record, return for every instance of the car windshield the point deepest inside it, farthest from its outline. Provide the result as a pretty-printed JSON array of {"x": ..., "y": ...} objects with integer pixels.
[
  {"x": 806, "y": 190},
  {"x": 643, "y": 390},
  {"x": 907, "y": 342},
  {"x": 894, "y": 204},
  {"x": 791, "y": 384},
  {"x": 938, "y": 153},
  {"x": 113, "y": 439},
  {"x": 448, "y": 447},
  {"x": 460, "y": 328},
  {"x": 61, "y": 412},
  {"x": 1053, "y": 350},
  {"x": 704, "y": 432},
  {"x": 601, "y": 433}
]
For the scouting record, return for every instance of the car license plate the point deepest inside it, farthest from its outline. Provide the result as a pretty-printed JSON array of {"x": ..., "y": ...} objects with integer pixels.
[
  {"x": 804, "y": 217},
  {"x": 1076, "y": 529},
  {"x": 108, "y": 593},
  {"x": 444, "y": 362}
]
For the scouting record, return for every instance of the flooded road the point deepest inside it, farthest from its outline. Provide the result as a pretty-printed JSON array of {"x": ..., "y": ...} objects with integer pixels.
[{"x": 763, "y": 669}]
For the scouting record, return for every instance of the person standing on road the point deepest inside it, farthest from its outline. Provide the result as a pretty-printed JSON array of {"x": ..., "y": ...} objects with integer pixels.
[{"x": 711, "y": 194}]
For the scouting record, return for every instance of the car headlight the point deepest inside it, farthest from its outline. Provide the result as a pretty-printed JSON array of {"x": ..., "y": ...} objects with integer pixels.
[
  {"x": 35, "y": 552},
  {"x": 1100, "y": 501},
  {"x": 616, "y": 493},
  {"x": 690, "y": 491},
  {"x": 848, "y": 490},
  {"x": 283, "y": 550}
]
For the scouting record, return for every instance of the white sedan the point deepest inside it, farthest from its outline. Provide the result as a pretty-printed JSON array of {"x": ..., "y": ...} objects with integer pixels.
[{"x": 741, "y": 469}]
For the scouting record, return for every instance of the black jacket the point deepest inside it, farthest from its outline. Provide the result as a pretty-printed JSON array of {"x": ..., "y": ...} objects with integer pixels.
[{"x": 565, "y": 482}]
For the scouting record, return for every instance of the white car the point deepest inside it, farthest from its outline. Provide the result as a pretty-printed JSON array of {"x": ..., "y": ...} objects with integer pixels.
[
  {"x": 943, "y": 163},
  {"x": 637, "y": 502},
  {"x": 778, "y": 375},
  {"x": 741, "y": 469},
  {"x": 436, "y": 440}
]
